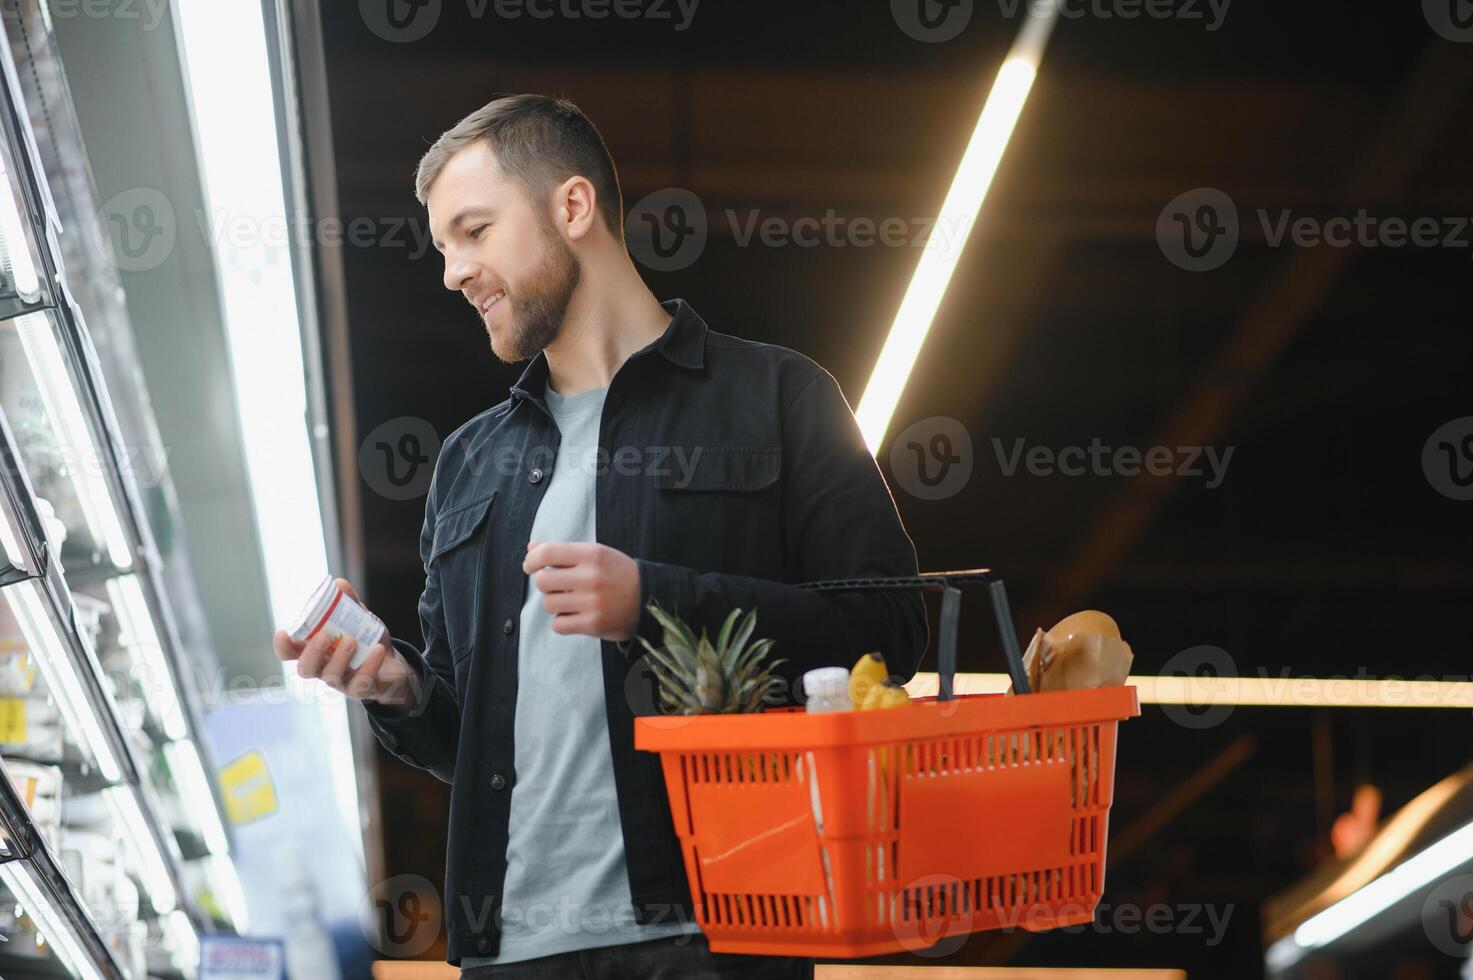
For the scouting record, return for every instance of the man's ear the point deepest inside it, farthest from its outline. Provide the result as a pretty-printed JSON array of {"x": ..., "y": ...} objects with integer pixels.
[{"x": 575, "y": 207}]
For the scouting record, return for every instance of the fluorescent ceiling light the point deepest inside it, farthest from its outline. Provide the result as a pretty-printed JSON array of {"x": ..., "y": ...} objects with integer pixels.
[
  {"x": 140, "y": 638},
  {"x": 1289, "y": 692},
  {"x": 38, "y": 337},
  {"x": 227, "y": 65},
  {"x": 141, "y": 845},
  {"x": 189, "y": 776},
  {"x": 1427, "y": 866},
  {"x": 59, "y": 670},
  {"x": 20, "y": 878},
  {"x": 954, "y": 224}
]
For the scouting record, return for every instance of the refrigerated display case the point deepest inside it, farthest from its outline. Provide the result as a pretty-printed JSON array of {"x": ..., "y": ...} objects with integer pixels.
[{"x": 113, "y": 852}]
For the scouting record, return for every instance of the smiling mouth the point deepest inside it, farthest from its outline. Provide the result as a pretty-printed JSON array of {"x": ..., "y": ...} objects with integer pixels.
[{"x": 490, "y": 303}]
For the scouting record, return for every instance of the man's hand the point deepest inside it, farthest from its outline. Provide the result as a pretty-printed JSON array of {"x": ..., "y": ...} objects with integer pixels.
[
  {"x": 384, "y": 676},
  {"x": 589, "y": 588}
]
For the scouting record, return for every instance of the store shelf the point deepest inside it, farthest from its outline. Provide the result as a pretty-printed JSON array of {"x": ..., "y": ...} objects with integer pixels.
[{"x": 108, "y": 814}]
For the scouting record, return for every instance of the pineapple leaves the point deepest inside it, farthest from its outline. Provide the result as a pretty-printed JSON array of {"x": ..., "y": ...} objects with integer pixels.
[{"x": 699, "y": 677}]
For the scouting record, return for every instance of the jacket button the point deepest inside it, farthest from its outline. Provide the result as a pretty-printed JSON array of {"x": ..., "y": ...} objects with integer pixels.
[
  {"x": 498, "y": 782},
  {"x": 536, "y": 475},
  {"x": 484, "y": 946},
  {"x": 508, "y": 626}
]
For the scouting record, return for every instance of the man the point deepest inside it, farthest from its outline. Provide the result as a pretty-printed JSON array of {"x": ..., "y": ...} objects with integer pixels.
[{"x": 640, "y": 457}]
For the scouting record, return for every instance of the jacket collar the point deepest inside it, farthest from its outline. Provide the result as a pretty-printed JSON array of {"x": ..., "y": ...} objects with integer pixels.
[{"x": 683, "y": 344}]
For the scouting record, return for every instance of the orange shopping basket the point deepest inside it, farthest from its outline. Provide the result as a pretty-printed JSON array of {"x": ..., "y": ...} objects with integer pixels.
[{"x": 857, "y": 833}]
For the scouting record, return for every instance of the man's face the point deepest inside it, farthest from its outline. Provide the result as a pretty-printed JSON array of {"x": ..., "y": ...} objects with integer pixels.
[{"x": 501, "y": 252}]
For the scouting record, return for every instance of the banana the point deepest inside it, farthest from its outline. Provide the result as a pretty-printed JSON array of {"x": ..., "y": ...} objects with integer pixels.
[
  {"x": 868, "y": 673},
  {"x": 885, "y": 696}
]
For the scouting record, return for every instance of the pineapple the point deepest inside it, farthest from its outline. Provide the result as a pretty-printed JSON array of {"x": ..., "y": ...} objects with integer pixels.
[{"x": 699, "y": 678}]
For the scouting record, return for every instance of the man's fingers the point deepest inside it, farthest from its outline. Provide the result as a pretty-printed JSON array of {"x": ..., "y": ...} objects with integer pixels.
[
  {"x": 573, "y": 623},
  {"x": 286, "y": 647},
  {"x": 554, "y": 553},
  {"x": 558, "y": 579},
  {"x": 337, "y": 665},
  {"x": 343, "y": 584},
  {"x": 561, "y": 602},
  {"x": 364, "y": 678},
  {"x": 314, "y": 656}
]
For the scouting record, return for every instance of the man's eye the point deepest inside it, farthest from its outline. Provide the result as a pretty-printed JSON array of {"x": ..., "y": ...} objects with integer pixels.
[{"x": 476, "y": 231}]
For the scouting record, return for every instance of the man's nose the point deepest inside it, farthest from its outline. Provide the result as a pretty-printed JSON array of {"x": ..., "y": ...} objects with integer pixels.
[{"x": 458, "y": 273}]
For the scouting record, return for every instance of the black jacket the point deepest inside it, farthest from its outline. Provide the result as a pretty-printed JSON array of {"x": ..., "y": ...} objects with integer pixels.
[{"x": 734, "y": 468}]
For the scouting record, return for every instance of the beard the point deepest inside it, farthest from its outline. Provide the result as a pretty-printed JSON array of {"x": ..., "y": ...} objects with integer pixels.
[{"x": 539, "y": 305}]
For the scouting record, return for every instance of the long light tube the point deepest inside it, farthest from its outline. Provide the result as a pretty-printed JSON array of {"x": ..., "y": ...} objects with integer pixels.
[
  {"x": 189, "y": 776},
  {"x": 65, "y": 413},
  {"x": 141, "y": 639},
  {"x": 128, "y": 816},
  {"x": 1422, "y": 869},
  {"x": 22, "y": 882},
  {"x": 60, "y": 673},
  {"x": 954, "y": 224},
  {"x": 227, "y": 66},
  {"x": 1288, "y": 692}
]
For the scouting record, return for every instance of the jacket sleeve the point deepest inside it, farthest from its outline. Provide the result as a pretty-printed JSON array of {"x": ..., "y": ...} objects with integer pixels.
[
  {"x": 839, "y": 521},
  {"x": 427, "y": 735}
]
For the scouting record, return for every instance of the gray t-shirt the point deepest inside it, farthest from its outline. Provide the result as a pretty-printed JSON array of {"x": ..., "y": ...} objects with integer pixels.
[{"x": 566, "y": 883}]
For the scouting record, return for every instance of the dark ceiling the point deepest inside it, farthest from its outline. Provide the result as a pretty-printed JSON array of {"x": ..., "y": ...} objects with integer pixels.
[{"x": 1324, "y": 550}]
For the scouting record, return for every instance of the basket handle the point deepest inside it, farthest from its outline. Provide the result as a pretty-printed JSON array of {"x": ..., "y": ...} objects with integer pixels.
[{"x": 948, "y": 584}]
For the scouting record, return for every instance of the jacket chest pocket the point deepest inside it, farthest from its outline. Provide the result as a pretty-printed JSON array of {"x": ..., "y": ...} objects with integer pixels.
[
  {"x": 718, "y": 509},
  {"x": 457, "y": 561}
]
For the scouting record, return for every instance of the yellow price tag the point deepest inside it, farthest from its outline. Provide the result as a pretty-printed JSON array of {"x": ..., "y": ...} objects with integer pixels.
[
  {"x": 248, "y": 790},
  {"x": 12, "y": 721}
]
